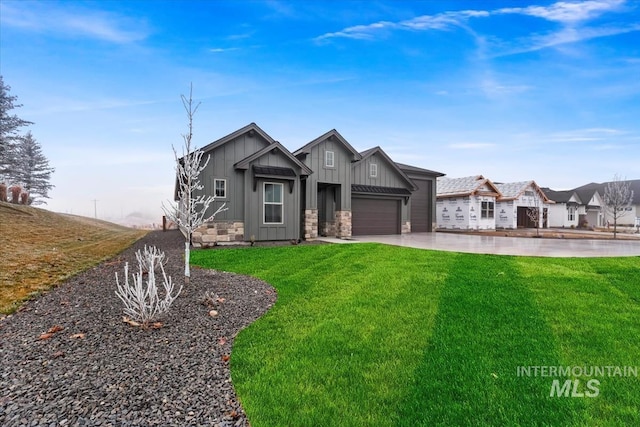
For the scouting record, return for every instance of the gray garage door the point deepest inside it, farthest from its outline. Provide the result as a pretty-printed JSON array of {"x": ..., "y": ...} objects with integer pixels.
[
  {"x": 421, "y": 206},
  {"x": 374, "y": 216}
]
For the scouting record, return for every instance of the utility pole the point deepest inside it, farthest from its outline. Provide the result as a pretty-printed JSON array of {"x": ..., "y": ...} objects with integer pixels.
[{"x": 95, "y": 208}]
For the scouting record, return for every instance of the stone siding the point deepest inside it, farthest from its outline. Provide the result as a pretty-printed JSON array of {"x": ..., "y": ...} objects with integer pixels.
[
  {"x": 406, "y": 227},
  {"x": 218, "y": 231},
  {"x": 343, "y": 224},
  {"x": 310, "y": 223}
]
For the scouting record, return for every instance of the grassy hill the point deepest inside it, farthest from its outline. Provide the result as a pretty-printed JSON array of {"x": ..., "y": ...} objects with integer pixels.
[{"x": 41, "y": 249}]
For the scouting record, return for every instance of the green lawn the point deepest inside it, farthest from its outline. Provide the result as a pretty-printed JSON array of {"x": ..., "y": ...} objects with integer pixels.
[{"x": 375, "y": 335}]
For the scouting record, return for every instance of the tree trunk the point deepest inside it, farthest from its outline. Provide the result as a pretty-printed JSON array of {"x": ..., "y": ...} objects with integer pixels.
[{"x": 187, "y": 273}]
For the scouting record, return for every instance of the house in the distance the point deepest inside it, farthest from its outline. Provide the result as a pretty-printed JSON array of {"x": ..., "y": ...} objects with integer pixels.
[
  {"x": 566, "y": 210},
  {"x": 466, "y": 203},
  {"x": 576, "y": 208},
  {"x": 516, "y": 200},
  {"x": 324, "y": 188},
  {"x": 629, "y": 216}
]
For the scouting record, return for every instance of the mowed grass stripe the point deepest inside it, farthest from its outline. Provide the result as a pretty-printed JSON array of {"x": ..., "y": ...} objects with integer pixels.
[
  {"x": 592, "y": 308},
  {"x": 344, "y": 352},
  {"x": 488, "y": 324}
]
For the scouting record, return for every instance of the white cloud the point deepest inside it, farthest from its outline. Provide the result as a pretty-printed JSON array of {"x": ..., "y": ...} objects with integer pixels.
[
  {"x": 566, "y": 12},
  {"x": 569, "y": 14},
  {"x": 222, "y": 49},
  {"x": 73, "y": 22}
]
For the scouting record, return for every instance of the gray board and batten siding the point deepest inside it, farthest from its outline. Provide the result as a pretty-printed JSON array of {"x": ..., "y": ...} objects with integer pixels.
[
  {"x": 422, "y": 206},
  {"x": 380, "y": 195},
  {"x": 314, "y": 154}
]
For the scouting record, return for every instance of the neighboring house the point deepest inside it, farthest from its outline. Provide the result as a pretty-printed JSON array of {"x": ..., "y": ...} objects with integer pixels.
[
  {"x": 630, "y": 214},
  {"x": 566, "y": 210},
  {"x": 324, "y": 188},
  {"x": 466, "y": 203},
  {"x": 591, "y": 213},
  {"x": 516, "y": 199}
]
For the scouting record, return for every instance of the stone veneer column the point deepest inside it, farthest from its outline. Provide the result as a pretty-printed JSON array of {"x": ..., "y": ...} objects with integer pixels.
[
  {"x": 406, "y": 227},
  {"x": 343, "y": 224},
  {"x": 310, "y": 223}
]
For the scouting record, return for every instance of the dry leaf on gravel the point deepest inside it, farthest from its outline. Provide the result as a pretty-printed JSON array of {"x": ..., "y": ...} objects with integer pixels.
[
  {"x": 125, "y": 319},
  {"x": 54, "y": 329}
]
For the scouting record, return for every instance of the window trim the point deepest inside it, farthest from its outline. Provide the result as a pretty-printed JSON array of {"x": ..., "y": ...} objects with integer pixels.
[
  {"x": 329, "y": 154},
  {"x": 487, "y": 210},
  {"x": 265, "y": 203},
  {"x": 215, "y": 188},
  {"x": 373, "y": 170},
  {"x": 571, "y": 213}
]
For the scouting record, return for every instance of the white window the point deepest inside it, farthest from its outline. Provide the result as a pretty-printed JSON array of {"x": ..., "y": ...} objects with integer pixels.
[
  {"x": 486, "y": 210},
  {"x": 373, "y": 170},
  {"x": 329, "y": 159},
  {"x": 220, "y": 188},
  {"x": 571, "y": 213},
  {"x": 273, "y": 203}
]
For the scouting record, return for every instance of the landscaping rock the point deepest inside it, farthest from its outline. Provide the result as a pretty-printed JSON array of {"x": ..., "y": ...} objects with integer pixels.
[{"x": 98, "y": 370}]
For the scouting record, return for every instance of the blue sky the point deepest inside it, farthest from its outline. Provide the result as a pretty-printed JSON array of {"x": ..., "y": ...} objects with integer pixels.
[{"x": 521, "y": 90}]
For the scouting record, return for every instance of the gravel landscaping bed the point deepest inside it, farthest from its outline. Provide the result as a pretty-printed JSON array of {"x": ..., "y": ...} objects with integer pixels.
[{"x": 96, "y": 370}]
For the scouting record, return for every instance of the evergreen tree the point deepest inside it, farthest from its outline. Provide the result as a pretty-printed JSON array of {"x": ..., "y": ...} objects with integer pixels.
[
  {"x": 9, "y": 136},
  {"x": 32, "y": 169}
]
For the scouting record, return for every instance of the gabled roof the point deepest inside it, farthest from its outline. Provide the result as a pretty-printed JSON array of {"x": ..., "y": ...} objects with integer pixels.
[
  {"x": 465, "y": 186},
  {"x": 332, "y": 135},
  {"x": 377, "y": 150},
  {"x": 562, "y": 196},
  {"x": 251, "y": 127},
  {"x": 634, "y": 184},
  {"x": 415, "y": 169},
  {"x": 513, "y": 190},
  {"x": 275, "y": 146}
]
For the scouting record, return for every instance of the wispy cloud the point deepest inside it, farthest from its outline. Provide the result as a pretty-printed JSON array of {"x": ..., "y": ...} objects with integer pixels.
[
  {"x": 566, "y": 36},
  {"x": 223, "y": 49},
  {"x": 573, "y": 16},
  {"x": 74, "y": 22},
  {"x": 585, "y": 135},
  {"x": 441, "y": 21},
  {"x": 566, "y": 12}
]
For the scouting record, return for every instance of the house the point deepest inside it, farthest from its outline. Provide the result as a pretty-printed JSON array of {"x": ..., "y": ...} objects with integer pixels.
[
  {"x": 466, "y": 203},
  {"x": 630, "y": 214},
  {"x": 575, "y": 208},
  {"x": 325, "y": 188},
  {"x": 566, "y": 210},
  {"x": 516, "y": 200}
]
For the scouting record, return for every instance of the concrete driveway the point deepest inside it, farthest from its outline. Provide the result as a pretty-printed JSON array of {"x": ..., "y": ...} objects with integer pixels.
[{"x": 505, "y": 245}]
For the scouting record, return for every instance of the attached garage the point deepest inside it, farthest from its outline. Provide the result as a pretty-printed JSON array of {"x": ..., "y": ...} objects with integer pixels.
[
  {"x": 421, "y": 204},
  {"x": 375, "y": 216}
]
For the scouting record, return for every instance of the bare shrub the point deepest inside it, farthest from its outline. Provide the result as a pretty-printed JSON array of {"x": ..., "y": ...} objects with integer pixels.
[{"x": 141, "y": 300}]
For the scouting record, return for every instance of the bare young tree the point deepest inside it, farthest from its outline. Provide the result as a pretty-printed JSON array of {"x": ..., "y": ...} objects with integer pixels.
[
  {"x": 190, "y": 212},
  {"x": 535, "y": 213},
  {"x": 618, "y": 196}
]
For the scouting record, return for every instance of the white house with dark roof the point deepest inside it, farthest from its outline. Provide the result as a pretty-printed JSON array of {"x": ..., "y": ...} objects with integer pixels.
[
  {"x": 466, "y": 203},
  {"x": 566, "y": 210},
  {"x": 516, "y": 200}
]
